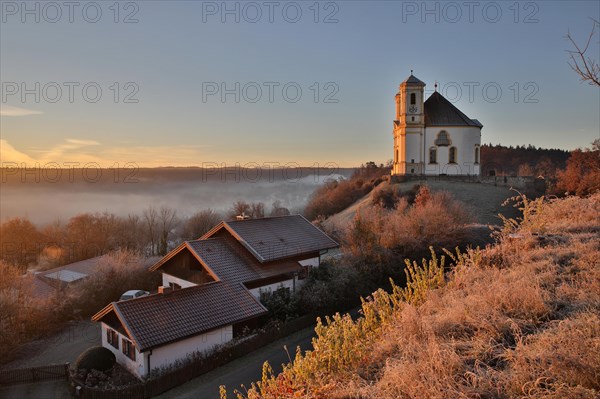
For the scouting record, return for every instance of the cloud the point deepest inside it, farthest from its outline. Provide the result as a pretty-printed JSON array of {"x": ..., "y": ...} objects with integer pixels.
[
  {"x": 9, "y": 110},
  {"x": 90, "y": 151},
  {"x": 9, "y": 154},
  {"x": 82, "y": 142}
]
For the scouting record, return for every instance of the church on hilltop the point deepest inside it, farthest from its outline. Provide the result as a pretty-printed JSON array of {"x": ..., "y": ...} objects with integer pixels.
[{"x": 433, "y": 137}]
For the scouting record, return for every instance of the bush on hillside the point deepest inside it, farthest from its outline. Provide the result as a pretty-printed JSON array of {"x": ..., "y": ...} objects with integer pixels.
[
  {"x": 95, "y": 358},
  {"x": 334, "y": 196},
  {"x": 582, "y": 175}
]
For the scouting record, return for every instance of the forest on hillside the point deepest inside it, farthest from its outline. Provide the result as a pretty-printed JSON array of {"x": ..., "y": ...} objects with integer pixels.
[{"x": 522, "y": 160}]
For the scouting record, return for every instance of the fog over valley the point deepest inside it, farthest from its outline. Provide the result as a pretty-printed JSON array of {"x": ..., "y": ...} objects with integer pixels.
[{"x": 46, "y": 196}]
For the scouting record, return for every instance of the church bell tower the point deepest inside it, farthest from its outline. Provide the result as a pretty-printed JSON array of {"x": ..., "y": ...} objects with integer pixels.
[{"x": 409, "y": 127}]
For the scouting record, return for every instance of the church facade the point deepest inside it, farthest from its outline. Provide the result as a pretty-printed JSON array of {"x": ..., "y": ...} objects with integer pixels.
[{"x": 433, "y": 137}]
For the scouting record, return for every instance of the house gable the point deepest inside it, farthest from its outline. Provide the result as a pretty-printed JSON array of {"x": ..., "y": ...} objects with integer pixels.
[{"x": 184, "y": 263}]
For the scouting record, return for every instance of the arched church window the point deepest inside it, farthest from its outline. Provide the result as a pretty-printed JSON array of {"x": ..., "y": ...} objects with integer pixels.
[
  {"x": 433, "y": 155},
  {"x": 476, "y": 154},
  {"x": 443, "y": 139},
  {"x": 452, "y": 155},
  {"x": 413, "y": 98},
  {"x": 397, "y": 155}
]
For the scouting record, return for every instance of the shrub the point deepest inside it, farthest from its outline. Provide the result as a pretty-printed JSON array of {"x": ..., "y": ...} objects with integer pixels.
[
  {"x": 95, "y": 358},
  {"x": 582, "y": 175},
  {"x": 334, "y": 196}
]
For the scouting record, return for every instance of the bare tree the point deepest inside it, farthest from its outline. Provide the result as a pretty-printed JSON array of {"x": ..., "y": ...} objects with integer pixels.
[
  {"x": 279, "y": 210},
  {"x": 167, "y": 217},
  {"x": 257, "y": 210},
  {"x": 151, "y": 220},
  {"x": 200, "y": 223},
  {"x": 586, "y": 67},
  {"x": 239, "y": 207}
]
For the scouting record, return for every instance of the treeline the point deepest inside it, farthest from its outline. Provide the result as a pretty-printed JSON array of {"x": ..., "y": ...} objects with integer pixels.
[
  {"x": 522, "y": 160},
  {"x": 152, "y": 232}
]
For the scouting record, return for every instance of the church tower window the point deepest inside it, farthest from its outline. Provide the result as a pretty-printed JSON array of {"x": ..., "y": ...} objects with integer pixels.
[
  {"x": 452, "y": 155},
  {"x": 433, "y": 155},
  {"x": 413, "y": 98}
]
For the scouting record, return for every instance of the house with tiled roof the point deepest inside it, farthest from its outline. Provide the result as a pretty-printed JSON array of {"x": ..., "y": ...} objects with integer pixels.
[{"x": 211, "y": 290}]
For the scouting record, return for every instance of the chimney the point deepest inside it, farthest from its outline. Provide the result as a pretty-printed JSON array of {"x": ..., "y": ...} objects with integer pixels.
[
  {"x": 163, "y": 289},
  {"x": 243, "y": 216}
]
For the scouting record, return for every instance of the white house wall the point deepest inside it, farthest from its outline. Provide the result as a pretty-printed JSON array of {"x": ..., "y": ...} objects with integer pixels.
[
  {"x": 167, "y": 278},
  {"x": 137, "y": 367},
  {"x": 312, "y": 262},
  {"x": 274, "y": 287},
  {"x": 168, "y": 354}
]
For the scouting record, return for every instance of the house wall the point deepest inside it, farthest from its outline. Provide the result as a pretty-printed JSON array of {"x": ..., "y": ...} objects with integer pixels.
[
  {"x": 167, "y": 278},
  {"x": 168, "y": 354},
  {"x": 274, "y": 287},
  {"x": 313, "y": 262},
  {"x": 137, "y": 367}
]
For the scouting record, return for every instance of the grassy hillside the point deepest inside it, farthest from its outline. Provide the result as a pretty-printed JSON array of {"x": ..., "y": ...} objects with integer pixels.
[
  {"x": 483, "y": 201},
  {"x": 519, "y": 319}
]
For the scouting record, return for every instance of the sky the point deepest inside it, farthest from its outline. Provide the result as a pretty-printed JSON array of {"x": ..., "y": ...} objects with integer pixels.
[{"x": 201, "y": 83}]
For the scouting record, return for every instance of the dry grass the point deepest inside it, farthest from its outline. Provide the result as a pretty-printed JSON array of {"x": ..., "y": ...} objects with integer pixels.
[{"x": 520, "y": 319}]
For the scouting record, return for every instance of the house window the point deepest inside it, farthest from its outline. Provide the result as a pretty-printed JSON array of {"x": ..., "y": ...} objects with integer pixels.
[
  {"x": 413, "y": 99},
  {"x": 443, "y": 139},
  {"x": 112, "y": 337},
  {"x": 433, "y": 155},
  {"x": 452, "y": 155},
  {"x": 174, "y": 286},
  {"x": 128, "y": 349},
  {"x": 476, "y": 154}
]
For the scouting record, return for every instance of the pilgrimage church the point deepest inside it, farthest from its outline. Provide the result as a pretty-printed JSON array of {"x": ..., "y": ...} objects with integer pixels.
[{"x": 433, "y": 137}]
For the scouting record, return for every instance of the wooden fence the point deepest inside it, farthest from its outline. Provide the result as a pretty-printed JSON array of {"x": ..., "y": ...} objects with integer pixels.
[
  {"x": 35, "y": 374},
  {"x": 157, "y": 385}
]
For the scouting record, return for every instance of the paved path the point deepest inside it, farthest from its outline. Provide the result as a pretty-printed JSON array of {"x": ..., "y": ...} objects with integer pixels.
[
  {"x": 244, "y": 370},
  {"x": 39, "y": 390}
]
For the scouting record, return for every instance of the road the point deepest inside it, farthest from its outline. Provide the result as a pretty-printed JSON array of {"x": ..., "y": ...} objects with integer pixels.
[
  {"x": 244, "y": 370},
  {"x": 39, "y": 390}
]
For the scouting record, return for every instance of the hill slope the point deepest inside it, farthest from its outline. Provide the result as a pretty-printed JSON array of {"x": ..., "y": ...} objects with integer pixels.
[
  {"x": 520, "y": 319},
  {"x": 483, "y": 201}
]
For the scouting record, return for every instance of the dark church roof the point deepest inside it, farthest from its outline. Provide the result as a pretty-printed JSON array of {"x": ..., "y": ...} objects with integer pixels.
[
  {"x": 413, "y": 79},
  {"x": 441, "y": 112}
]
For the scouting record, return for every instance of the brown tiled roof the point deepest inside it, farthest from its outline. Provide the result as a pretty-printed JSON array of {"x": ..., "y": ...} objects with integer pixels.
[
  {"x": 229, "y": 265},
  {"x": 230, "y": 261},
  {"x": 159, "y": 319},
  {"x": 274, "y": 238},
  {"x": 441, "y": 112}
]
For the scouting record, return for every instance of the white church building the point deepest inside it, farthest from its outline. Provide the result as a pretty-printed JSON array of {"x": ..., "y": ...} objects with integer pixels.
[{"x": 433, "y": 137}]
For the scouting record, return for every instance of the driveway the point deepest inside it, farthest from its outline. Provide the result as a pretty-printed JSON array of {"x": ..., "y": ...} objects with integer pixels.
[
  {"x": 64, "y": 346},
  {"x": 244, "y": 370}
]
